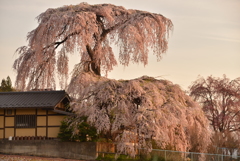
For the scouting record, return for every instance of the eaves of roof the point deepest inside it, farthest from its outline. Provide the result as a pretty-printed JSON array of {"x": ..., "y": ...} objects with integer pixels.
[{"x": 32, "y": 99}]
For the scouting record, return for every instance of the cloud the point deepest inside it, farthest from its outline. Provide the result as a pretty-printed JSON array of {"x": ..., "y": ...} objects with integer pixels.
[{"x": 219, "y": 38}]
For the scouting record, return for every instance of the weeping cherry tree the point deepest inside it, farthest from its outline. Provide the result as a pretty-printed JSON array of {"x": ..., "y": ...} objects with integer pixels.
[
  {"x": 135, "y": 113},
  {"x": 90, "y": 31},
  {"x": 131, "y": 113}
]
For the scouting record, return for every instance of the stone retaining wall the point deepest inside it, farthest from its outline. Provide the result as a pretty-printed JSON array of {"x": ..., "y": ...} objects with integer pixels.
[{"x": 50, "y": 148}]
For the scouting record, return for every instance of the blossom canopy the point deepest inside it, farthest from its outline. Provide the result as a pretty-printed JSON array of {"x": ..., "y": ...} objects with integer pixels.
[{"x": 91, "y": 31}]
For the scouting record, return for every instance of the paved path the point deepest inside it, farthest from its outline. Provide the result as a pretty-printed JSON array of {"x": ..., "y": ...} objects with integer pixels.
[{"x": 4, "y": 157}]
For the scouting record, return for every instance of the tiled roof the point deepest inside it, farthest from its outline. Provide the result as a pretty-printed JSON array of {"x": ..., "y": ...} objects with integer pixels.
[{"x": 31, "y": 99}]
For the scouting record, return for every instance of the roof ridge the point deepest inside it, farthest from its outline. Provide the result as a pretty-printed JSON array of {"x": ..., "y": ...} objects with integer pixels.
[{"x": 26, "y": 92}]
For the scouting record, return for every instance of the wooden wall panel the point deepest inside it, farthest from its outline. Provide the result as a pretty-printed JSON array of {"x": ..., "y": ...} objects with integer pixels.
[
  {"x": 60, "y": 105},
  {"x": 1, "y": 133},
  {"x": 25, "y": 132},
  {"x": 41, "y": 120},
  {"x": 47, "y": 123},
  {"x": 1, "y": 121},
  {"x": 1, "y": 111},
  {"x": 55, "y": 120},
  {"x": 9, "y": 132},
  {"x": 41, "y": 131},
  {"x": 9, "y": 121},
  {"x": 25, "y": 112},
  {"x": 41, "y": 112},
  {"x": 53, "y": 131}
]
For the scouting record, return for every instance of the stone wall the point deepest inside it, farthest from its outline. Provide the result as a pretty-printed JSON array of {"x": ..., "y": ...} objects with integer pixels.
[{"x": 50, "y": 148}]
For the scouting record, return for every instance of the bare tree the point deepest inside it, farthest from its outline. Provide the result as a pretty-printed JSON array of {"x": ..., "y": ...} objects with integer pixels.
[
  {"x": 90, "y": 30},
  {"x": 225, "y": 143},
  {"x": 133, "y": 113},
  {"x": 220, "y": 100}
]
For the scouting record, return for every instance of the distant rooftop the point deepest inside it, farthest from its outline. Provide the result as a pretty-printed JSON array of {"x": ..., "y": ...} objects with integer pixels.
[{"x": 32, "y": 99}]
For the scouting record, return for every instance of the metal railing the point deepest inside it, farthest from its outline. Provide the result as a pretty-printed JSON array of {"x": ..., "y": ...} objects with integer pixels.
[
  {"x": 169, "y": 155},
  {"x": 105, "y": 149}
]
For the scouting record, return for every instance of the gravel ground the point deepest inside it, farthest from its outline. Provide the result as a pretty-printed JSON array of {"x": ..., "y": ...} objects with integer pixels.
[{"x": 4, "y": 157}]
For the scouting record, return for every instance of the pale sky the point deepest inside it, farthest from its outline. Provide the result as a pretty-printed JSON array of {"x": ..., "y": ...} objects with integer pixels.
[{"x": 205, "y": 40}]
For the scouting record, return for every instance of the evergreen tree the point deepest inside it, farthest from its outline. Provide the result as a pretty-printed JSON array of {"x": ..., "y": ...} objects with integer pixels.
[{"x": 6, "y": 85}]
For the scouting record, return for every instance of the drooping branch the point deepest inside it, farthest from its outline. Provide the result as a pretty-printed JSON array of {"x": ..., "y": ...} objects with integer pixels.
[
  {"x": 90, "y": 30},
  {"x": 133, "y": 113}
]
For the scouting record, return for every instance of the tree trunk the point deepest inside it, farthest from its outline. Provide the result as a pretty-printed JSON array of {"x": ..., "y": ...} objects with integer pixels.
[
  {"x": 94, "y": 64},
  {"x": 96, "y": 68}
]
